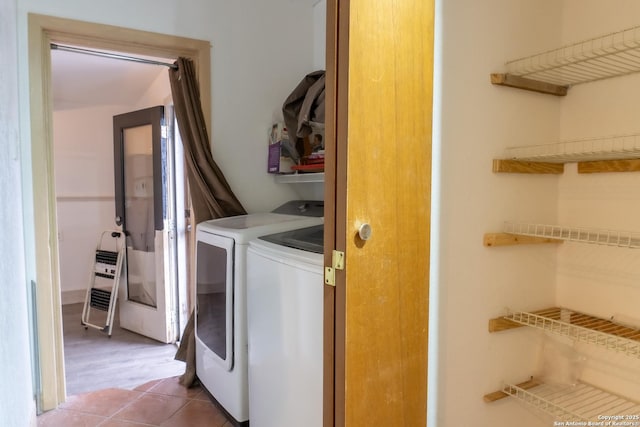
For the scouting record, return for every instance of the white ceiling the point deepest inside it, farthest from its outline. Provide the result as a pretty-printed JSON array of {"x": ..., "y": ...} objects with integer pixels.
[{"x": 81, "y": 80}]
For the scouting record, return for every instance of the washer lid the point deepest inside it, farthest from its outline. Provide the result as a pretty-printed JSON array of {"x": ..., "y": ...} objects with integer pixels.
[
  {"x": 242, "y": 222},
  {"x": 247, "y": 227},
  {"x": 310, "y": 239},
  {"x": 302, "y": 207}
]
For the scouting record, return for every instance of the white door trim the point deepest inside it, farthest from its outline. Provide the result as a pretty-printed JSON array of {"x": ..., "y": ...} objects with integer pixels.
[{"x": 44, "y": 30}]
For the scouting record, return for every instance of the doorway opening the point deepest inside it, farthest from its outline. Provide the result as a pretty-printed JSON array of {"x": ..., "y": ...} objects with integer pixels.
[
  {"x": 45, "y": 30},
  {"x": 90, "y": 94}
]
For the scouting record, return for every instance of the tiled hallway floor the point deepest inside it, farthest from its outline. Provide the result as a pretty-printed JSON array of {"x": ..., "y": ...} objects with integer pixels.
[{"x": 157, "y": 403}]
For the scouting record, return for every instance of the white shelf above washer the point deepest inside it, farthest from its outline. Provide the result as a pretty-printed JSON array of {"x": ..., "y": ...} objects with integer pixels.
[
  {"x": 299, "y": 178},
  {"x": 611, "y": 55}
]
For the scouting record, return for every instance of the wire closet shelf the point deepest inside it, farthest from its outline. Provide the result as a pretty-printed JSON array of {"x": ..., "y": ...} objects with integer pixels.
[
  {"x": 626, "y": 239},
  {"x": 588, "y": 149},
  {"x": 611, "y": 55},
  {"x": 579, "y": 402},
  {"x": 582, "y": 327}
]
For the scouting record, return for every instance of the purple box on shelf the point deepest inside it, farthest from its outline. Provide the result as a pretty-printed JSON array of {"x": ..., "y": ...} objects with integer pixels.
[{"x": 278, "y": 161}]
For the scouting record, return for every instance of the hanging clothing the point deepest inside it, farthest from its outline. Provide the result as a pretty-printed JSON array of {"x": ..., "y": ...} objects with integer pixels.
[{"x": 304, "y": 105}]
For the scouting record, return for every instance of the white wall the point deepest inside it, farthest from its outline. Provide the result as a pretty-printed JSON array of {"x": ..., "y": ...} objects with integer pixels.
[
  {"x": 319, "y": 34},
  {"x": 476, "y": 121},
  {"x": 157, "y": 93},
  {"x": 83, "y": 157},
  {"x": 83, "y": 151},
  {"x": 260, "y": 51},
  {"x": 83, "y": 164},
  {"x": 17, "y": 406},
  {"x": 602, "y": 281}
]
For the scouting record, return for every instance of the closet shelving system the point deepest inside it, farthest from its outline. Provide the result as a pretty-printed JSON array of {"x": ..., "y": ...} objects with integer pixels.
[
  {"x": 555, "y": 72},
  {"x": 582, "y": 401}
]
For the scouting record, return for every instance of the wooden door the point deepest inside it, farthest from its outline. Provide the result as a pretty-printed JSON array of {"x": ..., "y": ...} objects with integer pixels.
[{"x": 378, "y": 172}]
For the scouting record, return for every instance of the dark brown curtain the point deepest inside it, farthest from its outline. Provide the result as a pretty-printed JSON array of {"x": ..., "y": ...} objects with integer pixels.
[{"x": 211, "y": 196}]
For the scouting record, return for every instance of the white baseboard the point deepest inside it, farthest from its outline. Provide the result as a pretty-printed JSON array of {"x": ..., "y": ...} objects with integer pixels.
[
  {"x": 33, "y": 422},
  {"x": 73, "y": 297}
]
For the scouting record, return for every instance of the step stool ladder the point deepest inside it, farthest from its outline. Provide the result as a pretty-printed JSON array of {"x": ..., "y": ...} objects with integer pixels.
[{"x": 102, "y": 292}]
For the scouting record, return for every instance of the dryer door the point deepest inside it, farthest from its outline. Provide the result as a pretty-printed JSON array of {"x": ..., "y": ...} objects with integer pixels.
[{"x": 214, "y": 293}]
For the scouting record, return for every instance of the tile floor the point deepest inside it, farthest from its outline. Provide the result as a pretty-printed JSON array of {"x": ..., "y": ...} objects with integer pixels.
[{"x": 157, "y": 403}]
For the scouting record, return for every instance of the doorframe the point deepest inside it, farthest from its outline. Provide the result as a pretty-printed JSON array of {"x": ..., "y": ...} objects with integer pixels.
[
  {"x": 337, "y": 60},
  {"x": 44, "y": 30}
]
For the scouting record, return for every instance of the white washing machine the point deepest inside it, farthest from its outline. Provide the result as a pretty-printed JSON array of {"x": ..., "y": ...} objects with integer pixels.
[
  {"x": 221, "y": 308},
  {"x": 285, "y": 314}
]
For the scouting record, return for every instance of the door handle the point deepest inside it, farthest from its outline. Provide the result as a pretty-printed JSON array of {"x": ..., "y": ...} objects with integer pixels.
[
  {"x": 364, "y": 231},
  {"x": 118, "y": 220}
]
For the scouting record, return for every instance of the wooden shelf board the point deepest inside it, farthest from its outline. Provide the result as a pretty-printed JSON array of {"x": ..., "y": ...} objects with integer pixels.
[
  {"x": 504, "y": 79},
  {"x": 497, "y": 395},
  {"x": 507, "y": 239},
  {"x": 518, "y": 166},
  {"x": 602, "y": 166}
]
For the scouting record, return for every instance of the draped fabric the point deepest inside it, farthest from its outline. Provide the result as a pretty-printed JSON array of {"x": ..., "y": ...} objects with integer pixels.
[
  {"x": 305, "y": 104},
  {"x": 211, "y": 195}
]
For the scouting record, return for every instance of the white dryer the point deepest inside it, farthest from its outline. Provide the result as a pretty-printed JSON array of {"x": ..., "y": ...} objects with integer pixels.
[
  {"x": 221, "y": 308},
  {"x": 285, "y": 314}
]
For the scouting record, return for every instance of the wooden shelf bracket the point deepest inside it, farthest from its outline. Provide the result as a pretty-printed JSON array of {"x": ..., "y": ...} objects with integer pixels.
[
  {"x": 505, "y": 79},
  {"x": 497, "y": 395},
  {"x": 623, "y": 165},
  {"x": 520, "y": 166},
  {"x": 507, "y": 239}
]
